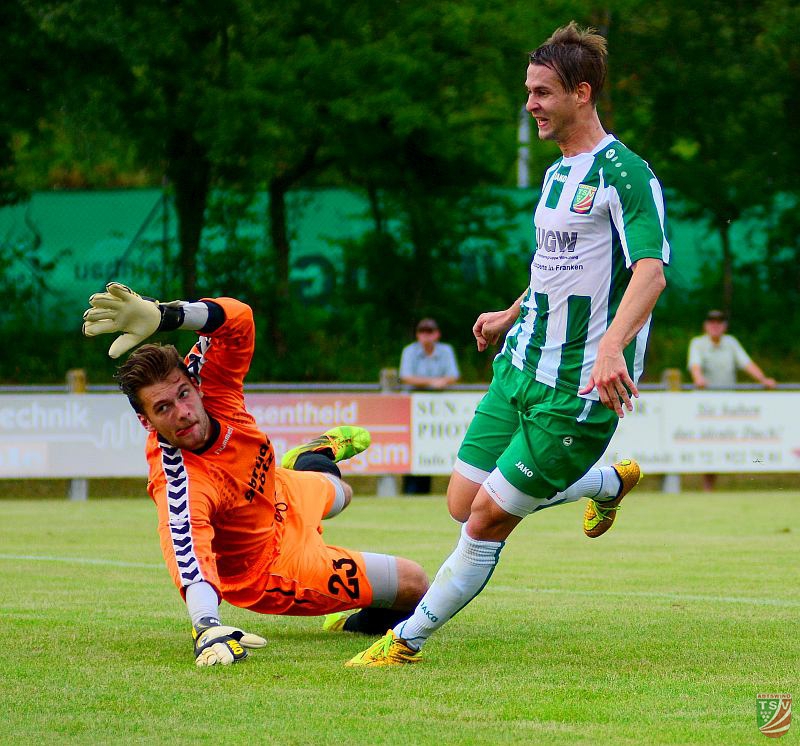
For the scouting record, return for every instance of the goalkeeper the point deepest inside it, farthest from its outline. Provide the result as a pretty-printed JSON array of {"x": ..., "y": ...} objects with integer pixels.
[{"x": 233, "y": 525}]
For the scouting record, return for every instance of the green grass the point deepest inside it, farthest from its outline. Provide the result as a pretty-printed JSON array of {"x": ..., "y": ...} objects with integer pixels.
[{"x": 661, "y": 632}]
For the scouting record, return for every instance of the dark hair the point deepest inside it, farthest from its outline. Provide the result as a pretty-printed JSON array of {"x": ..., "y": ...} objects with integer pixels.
[
  {"x": 149, "y": 364},
  {"x": 576, "y": 55},
  {"x": 427, "y": 325}
]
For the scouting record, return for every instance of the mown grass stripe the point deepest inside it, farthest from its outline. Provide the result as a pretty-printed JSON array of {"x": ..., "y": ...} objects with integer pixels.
[
  {"x": 80, "y": 561},
  {"x": 785, "y": 603},
  {"x": 652, "y": 594}
]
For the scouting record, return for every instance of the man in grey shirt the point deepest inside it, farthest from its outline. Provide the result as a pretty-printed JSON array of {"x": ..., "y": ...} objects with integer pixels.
[{"x": 714, "y": 358}]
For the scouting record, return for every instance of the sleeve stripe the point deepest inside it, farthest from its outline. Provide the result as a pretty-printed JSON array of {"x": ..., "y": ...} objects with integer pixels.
[
  {"x": 196, "y": 360},
  {"x": 658, "y": 198},
  {"x": 179, "y": 521}
]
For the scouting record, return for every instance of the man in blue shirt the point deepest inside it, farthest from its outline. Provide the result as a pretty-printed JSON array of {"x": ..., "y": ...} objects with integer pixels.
[{"x": 428, "y": 363}]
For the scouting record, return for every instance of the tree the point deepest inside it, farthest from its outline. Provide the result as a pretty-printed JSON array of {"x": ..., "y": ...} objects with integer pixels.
[
  {"x": 702, "y": 110},
  {"x": 156, "y": 72},
  {"x": 27, "y": 71}
]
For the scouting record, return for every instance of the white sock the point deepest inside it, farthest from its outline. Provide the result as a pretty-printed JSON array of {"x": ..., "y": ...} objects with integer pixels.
[
  {"x": 598, "y": 484},
  {"x": 462, "y": 577},
  {"x": 201, "y": 601}
]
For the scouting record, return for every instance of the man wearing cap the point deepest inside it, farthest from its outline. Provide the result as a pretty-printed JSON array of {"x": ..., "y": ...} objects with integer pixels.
[
  {"x": 428, "y": 363},
  {"x": 714, "y": 358}
]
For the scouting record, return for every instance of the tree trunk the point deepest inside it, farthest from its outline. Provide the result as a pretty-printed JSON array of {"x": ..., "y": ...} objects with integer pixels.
[
  {"x": 190, "y": 173},
  {"x": 727, "y": 267},
  {"x": 279, "y": 234},
  {"x": 601, "y": 20}
]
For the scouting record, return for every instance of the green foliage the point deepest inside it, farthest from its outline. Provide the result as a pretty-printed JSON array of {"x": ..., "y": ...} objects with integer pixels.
[
  {"x": 451, "y": 261},
  {"x": 33, "y": 350},
  {"x": 27, "y": 70},
  {"x": 709, "y": 114},
  {"x": 415, "y": 105},
  {"x": 671, "y": 647}
]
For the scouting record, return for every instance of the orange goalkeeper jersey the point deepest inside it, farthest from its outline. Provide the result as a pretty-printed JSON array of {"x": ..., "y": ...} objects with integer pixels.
[{"x": 217, "y": 516}]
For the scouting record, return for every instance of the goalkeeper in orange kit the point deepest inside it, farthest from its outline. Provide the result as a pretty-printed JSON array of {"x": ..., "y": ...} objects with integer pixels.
[{"x": 233, "y": 525}]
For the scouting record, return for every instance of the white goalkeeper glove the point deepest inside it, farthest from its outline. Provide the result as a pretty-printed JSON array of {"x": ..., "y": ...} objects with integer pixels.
[
  {"x": 119, "y": 309},
  {"x": 214, "y": 643}
]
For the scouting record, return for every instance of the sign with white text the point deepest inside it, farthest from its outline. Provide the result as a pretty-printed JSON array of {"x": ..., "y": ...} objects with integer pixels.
[
  {"x": 70, "y": 435},
  {"x": 438, "y": 424},
  {"x": 293, "y": 419},
  {"x": 98, "y": 435},
  {"x": 711, "y": 431}
]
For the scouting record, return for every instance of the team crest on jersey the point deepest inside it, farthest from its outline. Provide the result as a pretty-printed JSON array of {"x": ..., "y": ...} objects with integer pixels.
[{"x": 584, "y": 199}]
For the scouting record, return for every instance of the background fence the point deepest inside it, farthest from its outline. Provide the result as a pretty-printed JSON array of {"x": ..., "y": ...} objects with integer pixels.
[{"x": 80, "y": 436}]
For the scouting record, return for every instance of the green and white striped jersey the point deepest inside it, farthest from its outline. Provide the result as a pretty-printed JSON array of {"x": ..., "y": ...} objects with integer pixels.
[{"x": 599, "y": 212}]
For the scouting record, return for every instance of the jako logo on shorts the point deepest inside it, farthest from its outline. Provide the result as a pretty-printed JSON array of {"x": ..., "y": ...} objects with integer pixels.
[{"x": 524, "y": 469}]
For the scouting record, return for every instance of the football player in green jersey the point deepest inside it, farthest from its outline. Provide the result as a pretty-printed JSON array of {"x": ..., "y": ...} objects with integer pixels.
[{"x": 574, "y": 342}]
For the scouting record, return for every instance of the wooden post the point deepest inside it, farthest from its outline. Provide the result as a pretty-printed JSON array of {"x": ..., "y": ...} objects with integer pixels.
[
  {"x": 76, "y": 384},
  {"x": 671, "y": 378},
  {"x": 388, "y": 483}
]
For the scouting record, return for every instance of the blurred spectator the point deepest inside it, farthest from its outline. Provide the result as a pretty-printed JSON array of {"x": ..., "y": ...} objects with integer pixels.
[
  {"x": 426, "y": 364},
  {"x": 714, "y": 358}
]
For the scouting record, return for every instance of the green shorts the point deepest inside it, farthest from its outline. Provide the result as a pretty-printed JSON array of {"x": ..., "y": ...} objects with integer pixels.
[{"x": 541, "y": 439}]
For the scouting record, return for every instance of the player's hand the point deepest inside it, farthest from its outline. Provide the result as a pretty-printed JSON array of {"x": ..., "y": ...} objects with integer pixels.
[
  {"x": 215, "y": 643},
  {"x": 119, "y": 309},
  {"x": 613, "y": 383},
  {"x": 490, "y": 327}
]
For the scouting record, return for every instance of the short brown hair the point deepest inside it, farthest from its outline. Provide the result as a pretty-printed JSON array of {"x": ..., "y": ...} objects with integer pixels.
[
  {"x": 151, "y": 363},
  {"x": 427, "y": 325},
  {"x": 576, "y": 55}
]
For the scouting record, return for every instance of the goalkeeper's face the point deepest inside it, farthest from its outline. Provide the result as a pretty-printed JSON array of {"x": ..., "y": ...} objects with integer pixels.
[{"x": 174, "y": 409}]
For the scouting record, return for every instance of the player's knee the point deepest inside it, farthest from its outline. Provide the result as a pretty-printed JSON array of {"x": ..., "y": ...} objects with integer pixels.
[
  {"x": 348, "y": 494},
  {"x": 341, "y": 499},
  {"x": 460, "y": 495},
  {"x": 489, "y": 521},
  {"x": 412, "y": 583},
  {"x": 459, "y": 511}
]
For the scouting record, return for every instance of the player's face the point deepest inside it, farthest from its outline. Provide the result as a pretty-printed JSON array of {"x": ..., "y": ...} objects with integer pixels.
[
  {"x": 554, "y": 109},
  {"x": 174, "y": 409}
]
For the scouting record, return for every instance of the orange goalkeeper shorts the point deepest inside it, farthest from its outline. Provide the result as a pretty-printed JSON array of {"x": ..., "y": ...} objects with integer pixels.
[{"x": 307, "y": 577}]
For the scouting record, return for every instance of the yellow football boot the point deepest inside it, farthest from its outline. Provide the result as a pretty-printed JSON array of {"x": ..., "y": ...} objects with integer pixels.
[
  {"x": 390, "y": 650},
  {"x": 600, "y": 514},
  {"x": 344, "y": 441}
]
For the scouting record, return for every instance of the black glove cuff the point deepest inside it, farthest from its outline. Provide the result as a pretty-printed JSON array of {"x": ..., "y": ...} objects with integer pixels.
[
  {"x": 171, "y": 318},
  {"x": 206, "y": 622}
]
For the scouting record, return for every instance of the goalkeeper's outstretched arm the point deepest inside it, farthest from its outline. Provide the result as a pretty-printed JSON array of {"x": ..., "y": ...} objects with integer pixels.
[{"x": 120, "y": 310}]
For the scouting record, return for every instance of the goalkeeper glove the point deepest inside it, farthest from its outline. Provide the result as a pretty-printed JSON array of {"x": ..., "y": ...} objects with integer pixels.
[
  {"x": 119, "y": 309},
  {"x": 215, "y": 643}
]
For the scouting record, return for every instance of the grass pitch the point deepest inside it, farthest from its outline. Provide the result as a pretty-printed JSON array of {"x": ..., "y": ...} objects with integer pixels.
[{"x": 661, "y": 632}]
